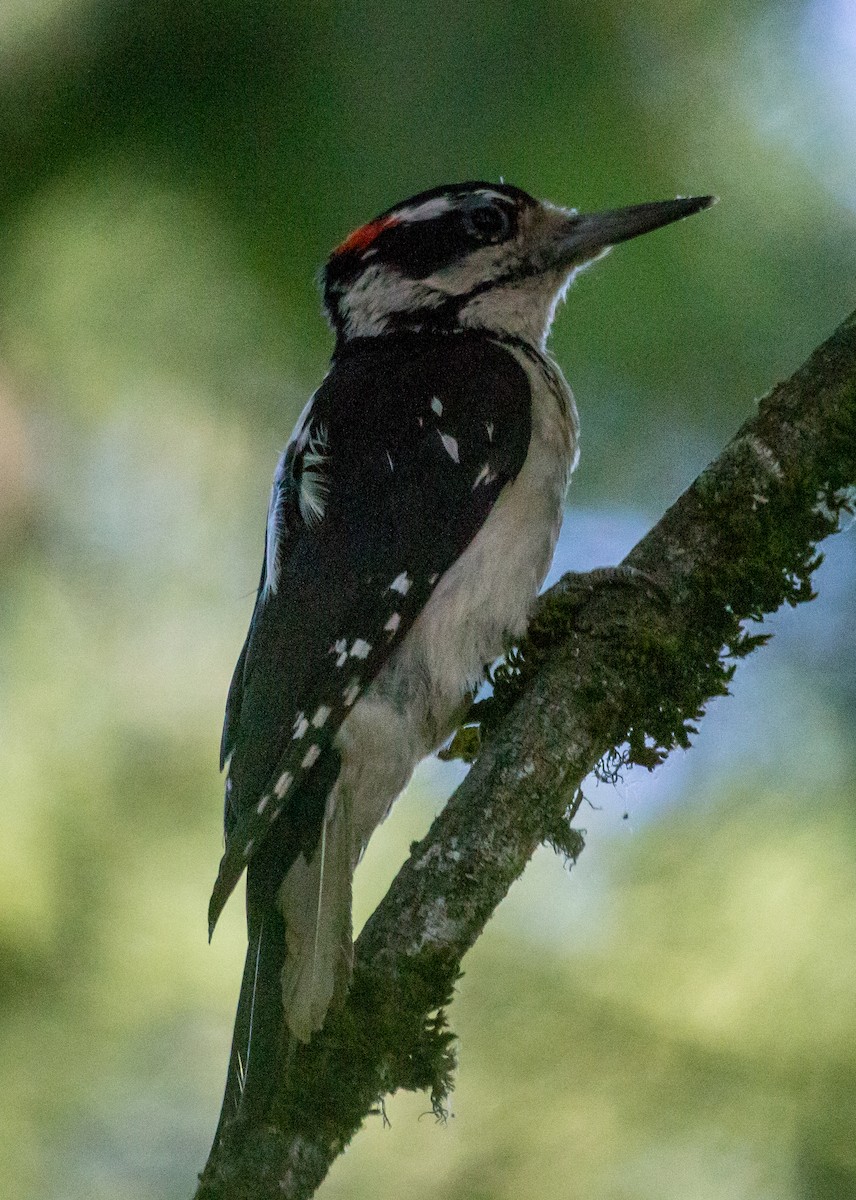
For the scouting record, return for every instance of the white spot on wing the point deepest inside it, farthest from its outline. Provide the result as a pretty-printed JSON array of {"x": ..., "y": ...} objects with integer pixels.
[
  {"x": 249, "y": 847},
  {"x": 280, "y": 788},
  {"x": 300, "y": 726},
  {"x": 489, "y": 428},
  {"x": 311, "y": 756},
  {"x": 401, "y": 584},
  {"x": 485, "y": 475},
  {"x": 450, "y": 445},
  {"x": 351, "y": 692},
  {"x": 389, "y": 460},
  {"x": 262, "y": 804},
  {"x": 361, "y": 648},
  {"x": 393, "y": 623},
  {"x": 437, "y": 405},
  {"x": 320, "y": 715}
]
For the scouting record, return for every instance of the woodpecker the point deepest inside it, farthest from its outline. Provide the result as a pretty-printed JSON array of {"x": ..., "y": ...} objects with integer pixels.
[{"x": 412, "y": 520}]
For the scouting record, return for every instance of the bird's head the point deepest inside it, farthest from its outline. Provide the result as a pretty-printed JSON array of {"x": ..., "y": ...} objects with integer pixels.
[{"x": 475, "y": 256}]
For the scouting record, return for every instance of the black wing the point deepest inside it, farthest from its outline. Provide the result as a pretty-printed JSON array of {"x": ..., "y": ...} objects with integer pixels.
[{"x": 397, "y": 463}]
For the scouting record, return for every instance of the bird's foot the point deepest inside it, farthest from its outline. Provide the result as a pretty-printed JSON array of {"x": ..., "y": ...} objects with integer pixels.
[
  {"x": 585, "y": 583},
  {"x": 581, "y": 590}
]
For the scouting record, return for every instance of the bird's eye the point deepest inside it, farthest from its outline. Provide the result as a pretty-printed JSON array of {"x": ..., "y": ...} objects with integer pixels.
[{"x": 486, "y": 224}]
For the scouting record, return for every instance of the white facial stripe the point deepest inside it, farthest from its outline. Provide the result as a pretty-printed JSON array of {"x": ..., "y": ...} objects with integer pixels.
[
  {"x": 425, "y": 211},
  {"x": 438, "y": 205},
  {"x": 491, "y": 194},
  {"x": 379, "y": 293}
]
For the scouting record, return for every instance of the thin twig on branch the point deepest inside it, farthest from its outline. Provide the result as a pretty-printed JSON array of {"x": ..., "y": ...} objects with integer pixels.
[{"x": 608, "y": 675}]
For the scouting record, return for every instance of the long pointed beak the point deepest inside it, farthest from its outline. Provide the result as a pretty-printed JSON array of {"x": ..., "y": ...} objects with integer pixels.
[{"x": 587, "y": 235}]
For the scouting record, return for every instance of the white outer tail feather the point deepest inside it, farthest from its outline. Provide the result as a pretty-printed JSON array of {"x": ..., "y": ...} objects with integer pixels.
[{"x": 244, "y": 1066}]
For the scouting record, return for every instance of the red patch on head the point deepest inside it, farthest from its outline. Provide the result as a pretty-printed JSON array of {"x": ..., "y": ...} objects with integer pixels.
[{"x": 363, "y": 237}]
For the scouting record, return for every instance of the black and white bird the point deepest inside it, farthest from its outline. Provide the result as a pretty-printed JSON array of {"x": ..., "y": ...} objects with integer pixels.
[{"x": 412, "y": 519}]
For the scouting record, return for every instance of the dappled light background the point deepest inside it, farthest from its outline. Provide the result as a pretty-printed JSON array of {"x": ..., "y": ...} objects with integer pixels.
[{"x": 675, "y": 1017}]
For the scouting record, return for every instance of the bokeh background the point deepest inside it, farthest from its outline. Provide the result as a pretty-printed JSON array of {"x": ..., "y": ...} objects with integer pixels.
[{"x": 674, "y": 1019}]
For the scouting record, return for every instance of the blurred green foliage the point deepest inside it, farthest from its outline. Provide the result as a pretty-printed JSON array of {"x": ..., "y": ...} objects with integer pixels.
[{"x": 676, "y": 1018}]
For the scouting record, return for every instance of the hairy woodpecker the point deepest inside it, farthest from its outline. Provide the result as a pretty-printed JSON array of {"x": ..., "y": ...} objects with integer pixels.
[{"x": 412, "y": 519}]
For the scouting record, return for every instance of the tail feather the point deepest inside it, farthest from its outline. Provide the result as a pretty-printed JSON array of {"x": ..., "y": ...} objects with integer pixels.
[
  {"x": 257, "y": 1042},
  {"x": 316, "y": 900},
  {"x": 299, "y": 962}
]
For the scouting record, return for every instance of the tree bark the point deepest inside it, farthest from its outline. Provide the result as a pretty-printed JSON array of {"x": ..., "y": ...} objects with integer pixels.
[{"x": 609, "y": 675}]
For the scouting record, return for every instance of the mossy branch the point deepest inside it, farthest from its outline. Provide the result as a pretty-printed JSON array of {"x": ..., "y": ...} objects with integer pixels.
[{"x": 608, "y": 675}]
